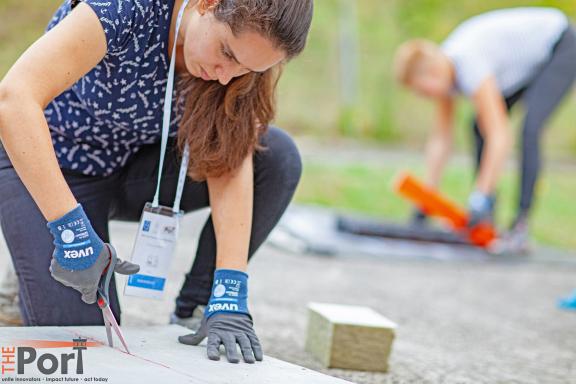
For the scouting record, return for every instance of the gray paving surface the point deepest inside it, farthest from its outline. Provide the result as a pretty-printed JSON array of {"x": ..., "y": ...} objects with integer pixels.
[{"x": 459, "y": 322}]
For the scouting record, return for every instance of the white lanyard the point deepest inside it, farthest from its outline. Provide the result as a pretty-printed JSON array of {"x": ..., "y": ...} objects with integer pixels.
[{"x": 166, "y": 126}]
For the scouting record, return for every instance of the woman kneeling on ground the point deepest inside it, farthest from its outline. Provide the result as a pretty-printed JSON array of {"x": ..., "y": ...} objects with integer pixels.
[{"x": 81, "y": 121}]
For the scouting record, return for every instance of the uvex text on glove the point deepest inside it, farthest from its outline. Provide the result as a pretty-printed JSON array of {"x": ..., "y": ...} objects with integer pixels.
[
  {"x": 77, "y": 244},
  {"x": 229, "y": 293}
]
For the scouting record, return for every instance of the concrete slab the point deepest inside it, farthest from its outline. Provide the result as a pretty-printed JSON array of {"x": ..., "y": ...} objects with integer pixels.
[
  {"x": 156, "y": 356},
  {"x": 460, "y": 321}
]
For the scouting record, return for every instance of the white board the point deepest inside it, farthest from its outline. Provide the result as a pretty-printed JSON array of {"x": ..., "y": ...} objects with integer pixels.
[{"x": 156, "y": 357}]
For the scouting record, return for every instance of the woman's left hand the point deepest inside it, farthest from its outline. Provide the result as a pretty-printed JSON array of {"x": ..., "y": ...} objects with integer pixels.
[
  {"x": 227, "y": 320},
  {"x": 228, "y": 329}
]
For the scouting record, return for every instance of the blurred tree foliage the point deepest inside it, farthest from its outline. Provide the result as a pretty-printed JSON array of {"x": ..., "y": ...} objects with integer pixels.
[
  {"x": 310, "y": 88},
  {"x": 309, "y": 91}
]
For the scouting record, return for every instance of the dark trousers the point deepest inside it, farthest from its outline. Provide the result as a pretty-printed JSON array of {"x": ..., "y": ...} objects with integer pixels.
[
  {"x": 540, "y": 98},
  {"x": 121, "y": 196}
]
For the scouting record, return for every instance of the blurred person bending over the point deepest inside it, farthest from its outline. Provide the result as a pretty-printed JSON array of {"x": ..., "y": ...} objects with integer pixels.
[{"x": 494, "y": 59}]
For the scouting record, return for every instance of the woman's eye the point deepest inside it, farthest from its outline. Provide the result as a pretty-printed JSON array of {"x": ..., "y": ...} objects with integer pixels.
[{"x": 226, "y": 54}]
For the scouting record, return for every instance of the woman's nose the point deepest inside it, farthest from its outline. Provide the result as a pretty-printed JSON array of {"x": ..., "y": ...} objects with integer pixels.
[{"x": 224, "y": 74}]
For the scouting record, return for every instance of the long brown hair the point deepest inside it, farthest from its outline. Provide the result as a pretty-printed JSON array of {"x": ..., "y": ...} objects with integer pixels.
[{"x": 223, "y": 124}]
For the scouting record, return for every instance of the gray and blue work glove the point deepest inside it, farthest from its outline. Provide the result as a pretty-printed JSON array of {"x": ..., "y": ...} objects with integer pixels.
[
  {"x": 80, "y": 256},
  {"x": 480, "y": 208},
  {"x": 227, "y": 320}
]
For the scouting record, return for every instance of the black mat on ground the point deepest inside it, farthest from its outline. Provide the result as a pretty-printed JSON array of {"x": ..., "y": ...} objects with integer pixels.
[{"x": 374, "y": 228}]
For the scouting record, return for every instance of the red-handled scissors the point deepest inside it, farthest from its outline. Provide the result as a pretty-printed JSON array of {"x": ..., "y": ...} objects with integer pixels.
[{"x": 103, "y": 301}]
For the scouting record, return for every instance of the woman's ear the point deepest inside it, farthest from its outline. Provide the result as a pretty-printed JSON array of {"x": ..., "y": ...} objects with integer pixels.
[{"x": 207, "y": 5}]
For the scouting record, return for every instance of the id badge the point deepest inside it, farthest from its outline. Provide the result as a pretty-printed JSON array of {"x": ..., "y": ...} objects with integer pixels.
[
  {"x": 158, "y": 230},
  {"x": 153, "y": 250}
]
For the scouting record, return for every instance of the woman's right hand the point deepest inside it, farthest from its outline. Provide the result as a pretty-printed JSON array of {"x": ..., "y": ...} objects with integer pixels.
[
  {"x": 47, "y": 68},
  {"x": 80, "y": 257},
  {"x": 86, "y": 281}
]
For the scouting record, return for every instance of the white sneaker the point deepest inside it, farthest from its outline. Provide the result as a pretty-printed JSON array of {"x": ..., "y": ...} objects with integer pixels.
[
  {"x": 515, "y": 241},
  {"x": 193, "y": 322}
]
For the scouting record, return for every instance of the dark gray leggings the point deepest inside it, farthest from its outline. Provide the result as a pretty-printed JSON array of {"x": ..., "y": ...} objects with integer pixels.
[
  {"x": 121, "y": 196},
  {"x": 540, "y": 98}
]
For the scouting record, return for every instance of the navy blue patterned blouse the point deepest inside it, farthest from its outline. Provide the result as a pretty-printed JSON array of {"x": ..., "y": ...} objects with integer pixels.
[{"x": 105, "y": 117}]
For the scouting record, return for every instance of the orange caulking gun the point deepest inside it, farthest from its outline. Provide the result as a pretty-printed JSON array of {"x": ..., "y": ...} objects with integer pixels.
[{"x": 432, "y": 203}]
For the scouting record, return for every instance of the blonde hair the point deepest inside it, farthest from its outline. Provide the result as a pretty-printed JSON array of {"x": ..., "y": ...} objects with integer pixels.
[{"x": 410, "y": 55}]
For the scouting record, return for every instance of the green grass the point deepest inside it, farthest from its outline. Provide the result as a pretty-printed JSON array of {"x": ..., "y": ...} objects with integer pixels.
[
  {"x": 364, "y": 188},
  {"x": 309, "y": 103},
  {"x": 21, "y": 24}
]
